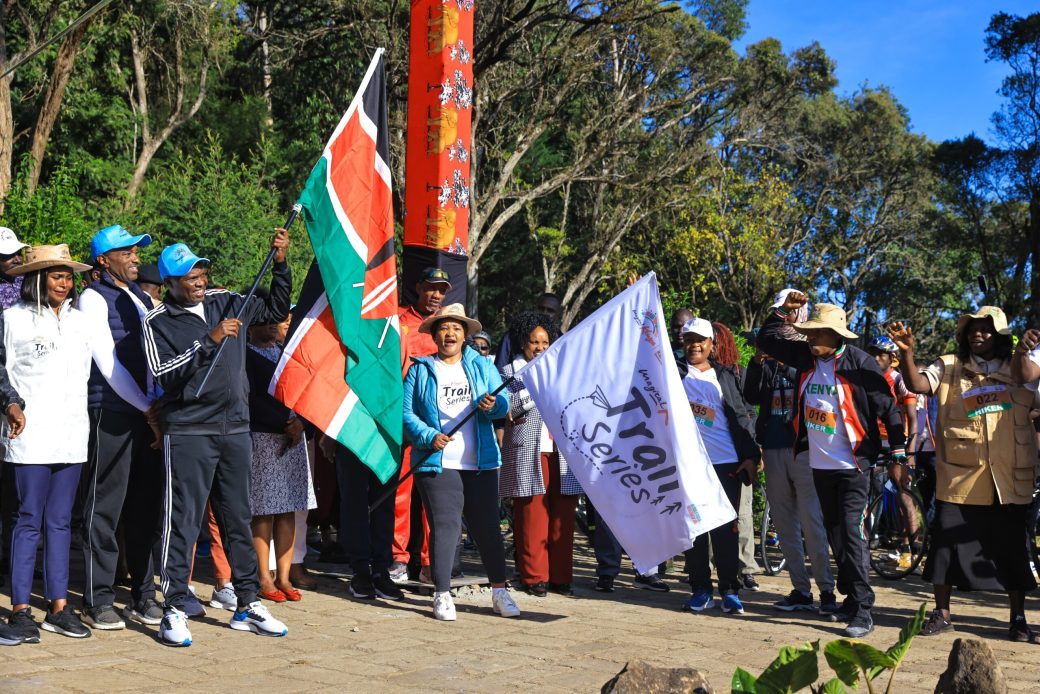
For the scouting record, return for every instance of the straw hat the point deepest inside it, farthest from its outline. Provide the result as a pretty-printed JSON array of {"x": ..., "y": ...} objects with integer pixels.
[
  {"x": 42, "y": 257},
  {"x": 827, "y": 317},
  {"x": 455, "y": 312},
  {"x": 1000, "y": 323}
]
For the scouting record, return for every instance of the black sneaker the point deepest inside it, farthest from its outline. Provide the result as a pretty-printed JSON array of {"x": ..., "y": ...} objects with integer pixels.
[
  {"x": 361, "y": 587},
  {"x": 146, "y": 611},
  {"x": 846, "y": 612},
  {"x": 795, "y": 600},
  {"x": 652, "y": 582},
  {"x": 605, "y": 584},
  {"x": 860, "y": 626},
  {"x": 191, "y": 607},
  {"x": 9, "y": 636},
  {"x": 103, "y": 617},
  {"x": 560, "y": 588},
  {"x": 65, "y": 623},
  {"x": 24, "y": 625},
  {"x": 936, "y": 624},
  {"x": 385, "y": 587},
  {"x": 748, "y": 582},
  {"x": 1020, "y": 632},
  {"x": 828, "y": 603}
]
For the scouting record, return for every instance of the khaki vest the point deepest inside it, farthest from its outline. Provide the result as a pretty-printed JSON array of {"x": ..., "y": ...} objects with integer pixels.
[{"x": 996, "y": 451}]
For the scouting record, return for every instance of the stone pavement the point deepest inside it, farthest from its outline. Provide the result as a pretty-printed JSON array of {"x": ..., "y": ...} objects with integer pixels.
[{"x": 560, "y": 644}]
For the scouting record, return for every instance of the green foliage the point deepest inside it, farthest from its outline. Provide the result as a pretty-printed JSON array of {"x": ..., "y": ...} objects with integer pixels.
[
  {"x": 219, "y": 206},
  {"x": 795, "y": 667},
  {"x": 54, "y": 213}
]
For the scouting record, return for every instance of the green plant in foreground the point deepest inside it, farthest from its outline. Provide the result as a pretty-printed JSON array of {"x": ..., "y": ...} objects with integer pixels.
[{"x": 796, "y": 667}]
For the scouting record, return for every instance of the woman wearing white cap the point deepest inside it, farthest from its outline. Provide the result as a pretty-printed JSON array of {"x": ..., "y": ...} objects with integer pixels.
[
  {"x": 10, "y": 257},
  {"x": 726, "y": 423},
  {"x": 47, "y": 355}
]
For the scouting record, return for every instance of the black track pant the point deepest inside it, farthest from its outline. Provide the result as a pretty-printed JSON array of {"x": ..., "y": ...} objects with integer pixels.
[
  {"x": 196, "y": 467},
  {"x": 123, "y": 478},
  {"x": 450, "y": 496},
  {"x": 367, "y": 536},
  {"x": 723, "y": 542},
  {"x": 843, "y": 500}
]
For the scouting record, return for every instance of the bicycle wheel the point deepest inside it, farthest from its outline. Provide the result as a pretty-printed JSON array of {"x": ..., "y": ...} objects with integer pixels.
[
  {"x": 769, "y": 545},
  {"x": 896, "y": 533}
]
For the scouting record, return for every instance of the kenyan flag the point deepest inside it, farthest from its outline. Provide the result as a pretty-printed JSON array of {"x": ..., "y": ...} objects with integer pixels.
[{"x": 341, "y": 368}]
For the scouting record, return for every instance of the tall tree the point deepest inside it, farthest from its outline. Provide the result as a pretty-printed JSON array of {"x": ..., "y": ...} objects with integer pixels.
[{"x": 1016, "y": 41}]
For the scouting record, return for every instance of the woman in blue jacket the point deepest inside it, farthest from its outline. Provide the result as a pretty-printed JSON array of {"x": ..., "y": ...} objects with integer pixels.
[{"x": 457, "y": 475}]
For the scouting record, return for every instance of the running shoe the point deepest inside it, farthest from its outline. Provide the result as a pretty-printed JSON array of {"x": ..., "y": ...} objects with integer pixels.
[{"x": 257, "y": 619}]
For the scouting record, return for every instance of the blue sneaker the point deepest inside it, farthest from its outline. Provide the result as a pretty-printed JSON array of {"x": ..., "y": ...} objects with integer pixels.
[
  {"x": 732, "y": 604},
  {"x": 701, "y": 600}
]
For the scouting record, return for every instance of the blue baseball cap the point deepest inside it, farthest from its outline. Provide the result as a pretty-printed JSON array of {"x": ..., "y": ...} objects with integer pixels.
[
  {"x": 113, "y": 237},
  {"x": 178, "y": 260}
]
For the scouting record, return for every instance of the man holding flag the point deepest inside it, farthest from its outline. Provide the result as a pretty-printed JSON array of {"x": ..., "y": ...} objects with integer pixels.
[{"x": 206, "y": 443}]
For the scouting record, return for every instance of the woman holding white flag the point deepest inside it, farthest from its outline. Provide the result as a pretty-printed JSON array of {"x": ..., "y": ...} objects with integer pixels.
[{"x": 457, "y": 474}]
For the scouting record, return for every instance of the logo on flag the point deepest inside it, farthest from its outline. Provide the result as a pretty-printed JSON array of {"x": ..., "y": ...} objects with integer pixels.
[
  {"x": 341, "y": 366},
  {"x": 639, "y": 458}
]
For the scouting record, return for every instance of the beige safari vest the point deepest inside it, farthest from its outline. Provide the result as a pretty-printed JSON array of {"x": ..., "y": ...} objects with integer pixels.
[{"x": 992, "y": 451}]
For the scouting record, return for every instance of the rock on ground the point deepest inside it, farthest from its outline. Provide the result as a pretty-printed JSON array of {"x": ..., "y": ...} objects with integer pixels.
[
  {"x": 638, "y": 677},
  {"x": 972, "y": 669}
]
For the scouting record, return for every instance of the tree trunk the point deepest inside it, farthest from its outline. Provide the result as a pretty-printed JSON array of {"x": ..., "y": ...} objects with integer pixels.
[
  {"x": 472, "y": 289},
  {"x": 6, "y": 139},
  {"x": 48, "y": 114},
  {"x": 144, "y": 159}
]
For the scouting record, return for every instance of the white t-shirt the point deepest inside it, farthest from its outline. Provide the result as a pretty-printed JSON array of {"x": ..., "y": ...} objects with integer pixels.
[
  {"x": 705, "y": 396},
  {"x": 924, "y": 439},
  {"x": 454, "y": 401},
  {"x": 829, "y": 445},
  {"x": 198, "y": 309}
]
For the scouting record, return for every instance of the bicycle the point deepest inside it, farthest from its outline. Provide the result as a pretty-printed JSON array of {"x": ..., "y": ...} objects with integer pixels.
[
  {"x": 894, "y": 525},
  {"x": 769, "y": 550}
]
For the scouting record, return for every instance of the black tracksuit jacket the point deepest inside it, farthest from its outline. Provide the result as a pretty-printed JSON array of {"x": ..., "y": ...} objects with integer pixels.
[{"x": 179, "y": 352}]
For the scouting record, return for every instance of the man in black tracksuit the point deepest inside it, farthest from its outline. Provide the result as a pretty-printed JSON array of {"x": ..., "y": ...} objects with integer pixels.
[{"x": 206, "y": 442}]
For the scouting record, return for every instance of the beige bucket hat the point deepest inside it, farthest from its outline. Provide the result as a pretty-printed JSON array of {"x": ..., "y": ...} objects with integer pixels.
[
  {"x": 1000, "y": 323},
  {"x": 42, "y": 257},
  {"x": 827, "y": 317},
  {"x": 455, "y": 312}
]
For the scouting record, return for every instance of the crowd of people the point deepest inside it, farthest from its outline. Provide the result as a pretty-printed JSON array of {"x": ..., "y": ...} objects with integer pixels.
[{"x": 137, "y": 415}]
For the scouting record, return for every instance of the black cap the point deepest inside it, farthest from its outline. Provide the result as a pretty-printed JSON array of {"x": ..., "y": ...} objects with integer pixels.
[
  {"x": 435, "y": 275},
  {"x": 149, "y": 273}
]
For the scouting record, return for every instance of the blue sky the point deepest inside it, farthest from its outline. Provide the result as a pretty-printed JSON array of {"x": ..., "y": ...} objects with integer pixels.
[{"x": 928, "y": 52}]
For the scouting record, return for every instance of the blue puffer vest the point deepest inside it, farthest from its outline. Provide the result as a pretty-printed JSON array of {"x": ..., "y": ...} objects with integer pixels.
[
  {"x": 422, "y": 416},
  {"x": 125, "y": 322}
]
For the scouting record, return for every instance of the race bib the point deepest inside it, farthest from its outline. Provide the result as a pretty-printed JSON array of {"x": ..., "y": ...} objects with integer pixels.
[
  {"x": 781, "y": 405},
  {"x": 702, "y": 414},
  {"x": 821, "y": 420},
  {"x": 985, "y": 399}
]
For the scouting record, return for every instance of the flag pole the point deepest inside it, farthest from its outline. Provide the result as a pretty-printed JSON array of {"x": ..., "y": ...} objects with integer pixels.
[
  {"x": 415, "y": 464},
  {"x": 252, "y": 290}
]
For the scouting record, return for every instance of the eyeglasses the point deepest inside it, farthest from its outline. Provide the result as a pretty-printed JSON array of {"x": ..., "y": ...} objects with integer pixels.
[{"x": 483, "y": 348}]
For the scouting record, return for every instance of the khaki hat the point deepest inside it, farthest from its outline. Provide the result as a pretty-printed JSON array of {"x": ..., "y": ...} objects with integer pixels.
[
  {"x": 455, "y": 312},
  {"x": 42, "y": 257},
  {"x": 1000, "y": 323},
  {"x": 827, "y": 317}
]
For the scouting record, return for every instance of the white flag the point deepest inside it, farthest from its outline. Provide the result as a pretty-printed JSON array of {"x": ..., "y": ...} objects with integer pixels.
[{"x": 610, "y": 393}]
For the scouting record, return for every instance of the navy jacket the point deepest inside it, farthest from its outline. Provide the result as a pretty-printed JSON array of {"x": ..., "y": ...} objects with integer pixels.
[{"x": 124, "y": 321}]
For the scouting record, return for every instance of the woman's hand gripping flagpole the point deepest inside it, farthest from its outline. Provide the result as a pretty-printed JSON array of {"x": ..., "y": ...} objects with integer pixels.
[
  {"x": 252, "y": 290},
  {"x": 392, "y": 489}
]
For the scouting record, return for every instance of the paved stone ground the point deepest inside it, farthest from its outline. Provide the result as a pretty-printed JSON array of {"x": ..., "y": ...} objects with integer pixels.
[{"x": 559, "y": 644}]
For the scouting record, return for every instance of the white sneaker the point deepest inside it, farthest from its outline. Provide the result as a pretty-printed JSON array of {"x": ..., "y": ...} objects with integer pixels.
[
  {"x": 257, "y": 619},
  {"x": 224, "y": 598},
  {"x": 502, "y": 603},
  {"x": 443, "y": 607},
  {"x": 173, "y": 629}
]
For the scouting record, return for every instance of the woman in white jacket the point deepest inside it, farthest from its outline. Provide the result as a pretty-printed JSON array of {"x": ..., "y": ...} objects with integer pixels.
[{"x": 46, "y": 353}]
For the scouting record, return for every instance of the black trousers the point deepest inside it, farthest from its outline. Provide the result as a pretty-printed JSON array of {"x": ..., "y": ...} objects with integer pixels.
[
  {"x": 723, "y": 541},
  {"x": 199, "y": 468},
  {"x": 366, "y": 537},
  {"x": 450, "y": 496},
  {"x": 123, "y": 478},
  {"x": 843, "y": 499}
]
